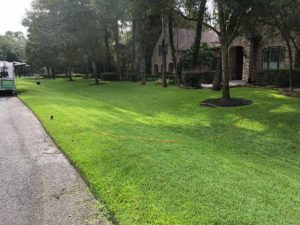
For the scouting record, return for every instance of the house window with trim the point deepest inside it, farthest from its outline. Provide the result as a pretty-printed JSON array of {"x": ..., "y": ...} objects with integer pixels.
[{"x": 273, "y": 58}]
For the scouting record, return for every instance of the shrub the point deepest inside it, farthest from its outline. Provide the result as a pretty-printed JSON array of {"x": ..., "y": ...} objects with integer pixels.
[
  {"x": 152, "y": 77},
  {"x": 191, "y": 79},
  {"x": 194, "y": 79},
  {"x": 205, "y": 57},
  {"x": 110, "y": 76},
  {"x": 277, "y": 78}
]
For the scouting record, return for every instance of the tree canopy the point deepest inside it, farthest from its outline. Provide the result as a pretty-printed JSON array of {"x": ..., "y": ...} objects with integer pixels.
[{"x": 12, "y": 46}]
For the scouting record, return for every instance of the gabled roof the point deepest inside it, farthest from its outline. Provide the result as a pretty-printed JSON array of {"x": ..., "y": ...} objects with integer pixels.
[{"x": 184, "y": 39}]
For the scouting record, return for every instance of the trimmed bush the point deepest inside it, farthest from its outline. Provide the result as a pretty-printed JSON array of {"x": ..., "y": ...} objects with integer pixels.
[
  {"x": 194, "y": 79},
  {"x": 191, "y": 79},
  {"x": 277, "y": 78}
]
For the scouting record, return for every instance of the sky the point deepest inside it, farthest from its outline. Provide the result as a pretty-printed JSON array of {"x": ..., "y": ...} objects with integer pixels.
[{"x": 11, "y": 15}]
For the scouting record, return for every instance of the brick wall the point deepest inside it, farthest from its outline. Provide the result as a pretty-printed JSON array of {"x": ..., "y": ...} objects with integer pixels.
[{"x": 273, "y": 40}]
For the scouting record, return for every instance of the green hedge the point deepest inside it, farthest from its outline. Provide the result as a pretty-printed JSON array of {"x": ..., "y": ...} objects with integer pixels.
[{"x": 277, "y": 78}]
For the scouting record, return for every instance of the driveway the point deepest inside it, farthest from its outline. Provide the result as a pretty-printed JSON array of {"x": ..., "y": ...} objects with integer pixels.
[{"x": 38, "y": 186}]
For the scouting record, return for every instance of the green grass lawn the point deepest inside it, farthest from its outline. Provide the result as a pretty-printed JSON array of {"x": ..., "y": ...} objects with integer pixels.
[{"x": 154, "y": 156}]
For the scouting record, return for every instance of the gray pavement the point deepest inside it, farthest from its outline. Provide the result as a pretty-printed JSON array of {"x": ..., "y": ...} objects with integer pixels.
[{"x": 38, "y": 186}]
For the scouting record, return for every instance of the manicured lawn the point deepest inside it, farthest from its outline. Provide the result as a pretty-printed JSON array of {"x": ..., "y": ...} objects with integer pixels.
[{"x": 154, "y": 156}]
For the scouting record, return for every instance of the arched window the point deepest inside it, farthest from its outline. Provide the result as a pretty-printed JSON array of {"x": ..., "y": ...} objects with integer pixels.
[
  {"x": 273, "y": 58},
  {"x": 171, "y": 68},
  {"x": 155, "y": 68}
]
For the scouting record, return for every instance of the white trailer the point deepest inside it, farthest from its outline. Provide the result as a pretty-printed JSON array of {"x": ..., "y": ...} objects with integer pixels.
[{"x": 7, "y": 76}]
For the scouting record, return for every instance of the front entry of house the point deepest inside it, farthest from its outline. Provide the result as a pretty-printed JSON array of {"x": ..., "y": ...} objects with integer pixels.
[{"x": 236, "y": 62}]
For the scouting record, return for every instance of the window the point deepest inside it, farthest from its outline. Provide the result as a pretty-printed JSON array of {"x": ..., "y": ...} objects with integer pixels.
[
  {"x": 160, "y": 50},
  {"x": 171, "y": 68},
  {"x": 274, "y": 58},
  {"x": 155, "y": 69}
]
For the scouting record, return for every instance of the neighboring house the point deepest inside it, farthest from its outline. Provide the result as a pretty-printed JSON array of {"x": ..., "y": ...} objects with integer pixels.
[
  {"x": 247, "y": 55},
  {"x": 183, "y": 41},
  {"x": 250, "y": 55}
]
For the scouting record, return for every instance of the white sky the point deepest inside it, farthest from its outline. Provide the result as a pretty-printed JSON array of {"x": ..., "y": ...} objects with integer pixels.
[{"x": 11, "y": 14}]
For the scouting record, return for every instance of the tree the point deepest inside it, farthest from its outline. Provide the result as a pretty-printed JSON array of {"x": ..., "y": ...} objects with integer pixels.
[
  {"x": 230, "y": 16},
  {"x": 12, "y": 46},
  {"x": 146, "y": 26},
  {"x": 164, "y": 54},
  {"x": 42, "y": 49},
  {"x": 61, "y": 32},
  {"x": 197, "y": 8}
]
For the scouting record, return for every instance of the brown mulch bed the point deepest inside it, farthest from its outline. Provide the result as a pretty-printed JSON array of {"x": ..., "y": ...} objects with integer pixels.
[{"x": 221, "y": 102}]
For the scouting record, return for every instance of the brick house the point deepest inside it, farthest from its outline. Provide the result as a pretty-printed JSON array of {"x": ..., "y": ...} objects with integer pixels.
[
  {"x": 183, "y": 40},
  {"x": 247, "y": 55},
  {"x": 250, "y": 55}
]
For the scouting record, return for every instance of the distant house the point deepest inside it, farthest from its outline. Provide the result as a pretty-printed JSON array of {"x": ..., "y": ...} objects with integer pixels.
[
  {"x": 183, "y": 40},
  {"x": 247, "y": 55}
]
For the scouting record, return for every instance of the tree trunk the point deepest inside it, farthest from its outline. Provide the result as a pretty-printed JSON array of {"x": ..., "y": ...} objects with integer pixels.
[
  {"x": 143, "y": 71},
  {"x": 172, "y": 45},
  {"x": 48, "y": 72},
  {"x": 107, "y": 50},
  {"x": 224, "y": 48},
  {"x": 117, "y": 48},
  {"x": 52, "y": 72},
  {"x": 87, "y": 69},
  {"x": 70, "y": 74},
  {"x": 198, "y": 36},
  {"x": 133, "y": 63},
  {"x": 95, "y": 72},
  {"x": 164, "y": 56},
  {"x": 291, "y": 67},
  {"x": 225, "y": 71},
  {"x": 69, "y": 71},
  {"x": 217, "y": 86}
]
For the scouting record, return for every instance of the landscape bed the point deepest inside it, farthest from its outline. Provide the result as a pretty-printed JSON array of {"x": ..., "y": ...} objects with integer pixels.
[{"x": 155, "y": 156}]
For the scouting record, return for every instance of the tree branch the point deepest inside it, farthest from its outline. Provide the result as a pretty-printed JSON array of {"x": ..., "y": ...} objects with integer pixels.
[{"x": 195, "y": 19}]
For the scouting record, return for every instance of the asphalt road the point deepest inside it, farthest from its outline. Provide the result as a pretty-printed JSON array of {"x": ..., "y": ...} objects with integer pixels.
[{"x": 38, "y": 186}]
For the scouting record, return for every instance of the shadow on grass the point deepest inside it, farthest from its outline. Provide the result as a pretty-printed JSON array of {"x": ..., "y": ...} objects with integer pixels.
[
  {"x": 21, "y": 91},
  {"x": 100, "y": 84}
]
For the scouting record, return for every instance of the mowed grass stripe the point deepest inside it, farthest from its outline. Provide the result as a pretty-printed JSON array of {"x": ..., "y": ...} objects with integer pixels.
[{"x": 221, "y": 171}]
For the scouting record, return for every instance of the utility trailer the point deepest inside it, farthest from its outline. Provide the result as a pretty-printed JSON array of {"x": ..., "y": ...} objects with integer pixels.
[{"x": 7, "y": 77}]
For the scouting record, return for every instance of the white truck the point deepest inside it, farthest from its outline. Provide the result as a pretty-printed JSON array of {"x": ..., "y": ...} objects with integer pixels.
[{"x": 7, "y": 76}]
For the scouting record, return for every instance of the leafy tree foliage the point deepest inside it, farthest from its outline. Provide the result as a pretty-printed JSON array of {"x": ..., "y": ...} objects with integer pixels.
[{"x": 12, "y": 46}]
